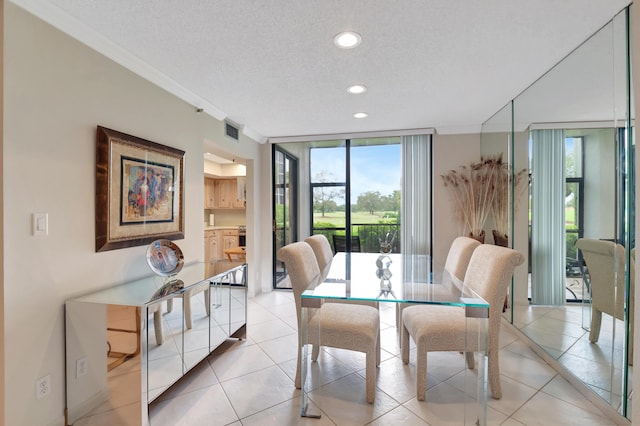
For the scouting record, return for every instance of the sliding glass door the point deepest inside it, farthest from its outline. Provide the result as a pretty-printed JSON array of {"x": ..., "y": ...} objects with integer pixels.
[
  {"x": 285, "y": 208},
  {"x": 356, "y": 186}
]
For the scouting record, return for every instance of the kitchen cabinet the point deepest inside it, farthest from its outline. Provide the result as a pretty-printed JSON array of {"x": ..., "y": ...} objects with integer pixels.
[
  {"x": 212, "y": 251},
  {"x": 229, "y": 239},
  {"x": 216, "y": 241},
  {"x": 226, "y": 194},
  {"x": 209, "y": 193},
  {"x": 222, "y": 194},
  {"x": 97, "y": 323}
]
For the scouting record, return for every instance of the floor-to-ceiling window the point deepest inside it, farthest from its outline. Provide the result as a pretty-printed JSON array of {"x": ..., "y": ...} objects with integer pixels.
[{"x": 356, "y": 187}]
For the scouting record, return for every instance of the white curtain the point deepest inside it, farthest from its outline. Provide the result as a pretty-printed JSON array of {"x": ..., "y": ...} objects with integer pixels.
[
  {"x": 416, "y": 198},
  {"x": 547, "y": 218}
]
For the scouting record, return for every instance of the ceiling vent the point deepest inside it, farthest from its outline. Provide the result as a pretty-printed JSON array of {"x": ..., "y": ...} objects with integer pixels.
[{"x": 232, "y": 130}]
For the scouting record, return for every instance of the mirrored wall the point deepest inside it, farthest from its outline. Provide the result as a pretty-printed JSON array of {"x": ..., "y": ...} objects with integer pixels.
[{"x": 568, "y": 141}]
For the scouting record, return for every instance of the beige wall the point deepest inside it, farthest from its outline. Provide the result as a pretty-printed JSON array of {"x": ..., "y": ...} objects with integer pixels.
[
  {"x": 56, "y": 92},
  {"x": 449, "y": 152}
]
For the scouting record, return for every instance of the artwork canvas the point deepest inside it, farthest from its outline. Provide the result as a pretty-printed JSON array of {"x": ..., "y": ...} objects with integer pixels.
[{"x": 139, "y": 191}]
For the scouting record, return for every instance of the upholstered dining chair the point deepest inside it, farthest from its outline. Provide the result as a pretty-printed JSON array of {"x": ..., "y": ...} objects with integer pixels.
[
  {"x": 337, "y": 325},
  {"x": 340, "y": 243},
  {"x": 444, "y": 328},
  {"x": 605, "y": 263},
  {"x": 455, "y": 266},
  {"x": 324, "y": 256}
]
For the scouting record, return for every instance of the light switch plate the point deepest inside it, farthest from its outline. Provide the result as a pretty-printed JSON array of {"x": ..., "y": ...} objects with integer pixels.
[{"x": 40, "y": 224}]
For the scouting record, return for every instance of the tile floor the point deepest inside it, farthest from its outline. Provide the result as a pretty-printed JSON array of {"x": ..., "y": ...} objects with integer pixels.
[
  {"x": 560, "y": 330},
  {"x": 251, "y": 383}
]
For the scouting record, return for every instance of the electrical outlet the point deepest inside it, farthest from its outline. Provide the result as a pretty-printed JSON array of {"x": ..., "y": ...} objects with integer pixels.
[
  {"x": 82, "y": 366},
  {"x": 43, "y": 387}
]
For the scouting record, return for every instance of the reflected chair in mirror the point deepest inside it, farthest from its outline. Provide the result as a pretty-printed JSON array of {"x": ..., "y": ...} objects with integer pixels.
[
  {"x": 322, "y": 249},
  {"x": 456, "y": 266},
  {"x": 444, "y": 328},
  {"x": 605, "y": 265},
  {"x": 186, "y": 302},
  {"x": 340, "y": 243},
  {"x": 158, "y": 330},
  {"x": 337, "y": 325}
]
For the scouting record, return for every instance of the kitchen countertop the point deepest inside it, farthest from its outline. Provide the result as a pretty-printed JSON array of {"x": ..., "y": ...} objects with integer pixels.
[{"x": 214, "y": 228}]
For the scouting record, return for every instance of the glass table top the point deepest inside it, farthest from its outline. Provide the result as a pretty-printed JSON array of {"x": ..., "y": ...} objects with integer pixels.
[{"x": 393, "y": 278}]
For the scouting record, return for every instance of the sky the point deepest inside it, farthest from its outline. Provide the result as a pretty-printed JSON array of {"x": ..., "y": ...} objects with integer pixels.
[{"x": 373, "y": 168}]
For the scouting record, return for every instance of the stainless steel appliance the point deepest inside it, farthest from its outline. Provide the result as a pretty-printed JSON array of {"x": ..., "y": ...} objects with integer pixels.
[{"x": 242, "y": 236}]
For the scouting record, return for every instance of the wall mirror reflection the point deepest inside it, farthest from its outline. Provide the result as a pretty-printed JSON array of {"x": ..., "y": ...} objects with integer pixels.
[{"x": 571, "y": 131}]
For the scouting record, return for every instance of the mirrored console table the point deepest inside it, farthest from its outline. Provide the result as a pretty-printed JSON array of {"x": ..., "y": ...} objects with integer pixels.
[{"x": 127, "y": 344}]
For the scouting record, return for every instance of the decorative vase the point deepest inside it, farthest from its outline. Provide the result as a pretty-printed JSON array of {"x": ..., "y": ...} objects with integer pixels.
[
  {"x": 500, "y": 239},
  {"x": 480, "y": 237}
]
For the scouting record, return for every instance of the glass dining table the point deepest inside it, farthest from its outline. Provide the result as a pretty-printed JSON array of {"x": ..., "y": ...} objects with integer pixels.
[{"x": 400, "y": 279}]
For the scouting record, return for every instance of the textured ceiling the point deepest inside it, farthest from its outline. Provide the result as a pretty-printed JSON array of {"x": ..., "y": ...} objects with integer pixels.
[{"x": 271, "y": 66}]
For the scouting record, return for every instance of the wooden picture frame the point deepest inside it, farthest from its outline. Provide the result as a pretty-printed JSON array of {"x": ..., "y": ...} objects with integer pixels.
[{"x": 139, "y": 191}]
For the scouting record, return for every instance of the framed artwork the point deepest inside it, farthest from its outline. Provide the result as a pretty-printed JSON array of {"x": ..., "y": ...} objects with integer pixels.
[{"x": 139, "y": 191}]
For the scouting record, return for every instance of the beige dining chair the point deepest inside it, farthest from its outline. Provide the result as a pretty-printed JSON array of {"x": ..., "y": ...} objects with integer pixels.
[
  {"x": 186, "y": 302},
  {"x": 455, "y": 266},
  {"x": 324, "y": 256},
  {"x": 337, "y": 325},
  {"x": 444, "y": 328},
  {"x": 605, "y": 262}
]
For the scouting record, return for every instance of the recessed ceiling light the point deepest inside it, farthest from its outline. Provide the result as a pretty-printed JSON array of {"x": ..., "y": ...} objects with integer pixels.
[
  {"x": 356, "y": 89},
  {"x": 360, "y": 115},
  {"x": 347, "y": 40}
]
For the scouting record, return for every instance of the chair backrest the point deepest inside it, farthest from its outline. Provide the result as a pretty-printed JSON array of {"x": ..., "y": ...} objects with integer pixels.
[
  {"x": 459, "y": 256},
  {"x": 340, "y": 243},
  {"x": 302, "y": 268},
  {"x": 489, "y": 275},
  {"x": 324, "y": 255},
  {"x": 605, "y": 263}
]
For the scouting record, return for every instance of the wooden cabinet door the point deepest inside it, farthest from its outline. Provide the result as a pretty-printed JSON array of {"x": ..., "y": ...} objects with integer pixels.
[
  {"x": 230, "y": 241},
  {"x": 223, "y": 200},
  {"x": 209, "y": 193},
  {"x": 238, "y": 202}
]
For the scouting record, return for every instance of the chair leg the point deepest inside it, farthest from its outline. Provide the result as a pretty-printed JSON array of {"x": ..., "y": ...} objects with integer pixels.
[
  {"x": 315, "y": 351},
  {"x": 157, "y": 326},
  {"x": 471, "y": 362},
  {"x": 370, "y": 375},
  {"x": 405, "y": 344},
  {"x": 298, "y": 379},
  {"x": 186, "y": 306},
  {"x": 596, "y": 322},
  {"x": 494, "y": 374},
  {"x": 169, "y": 305},
  {"x": 378, "y": 350},
  {"x": 207, "y": 301},
  {"x": 421, "y": 367}
]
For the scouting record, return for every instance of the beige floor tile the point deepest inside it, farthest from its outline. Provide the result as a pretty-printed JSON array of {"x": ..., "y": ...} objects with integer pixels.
[
  {"x": 207, "y": 406},
  {"x": 250, "y": 381},
  {"x": 257, "y": 391},
  {"x": 399, "y": 416},
  {"x": 282, "y": 348},
  {"x": 344, "y": 401},
  {"x": 287, "y": 414},
  {"x": 545, "y": 410},
  {"x": 239, "y": 361}
]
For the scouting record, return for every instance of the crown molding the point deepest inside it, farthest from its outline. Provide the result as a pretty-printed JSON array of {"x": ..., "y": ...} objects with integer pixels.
[{"x": 76, "y": 29}]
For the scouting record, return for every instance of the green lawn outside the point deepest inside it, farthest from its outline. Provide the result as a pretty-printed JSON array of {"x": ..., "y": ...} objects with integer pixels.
[{"x": 337, "y": 218}]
